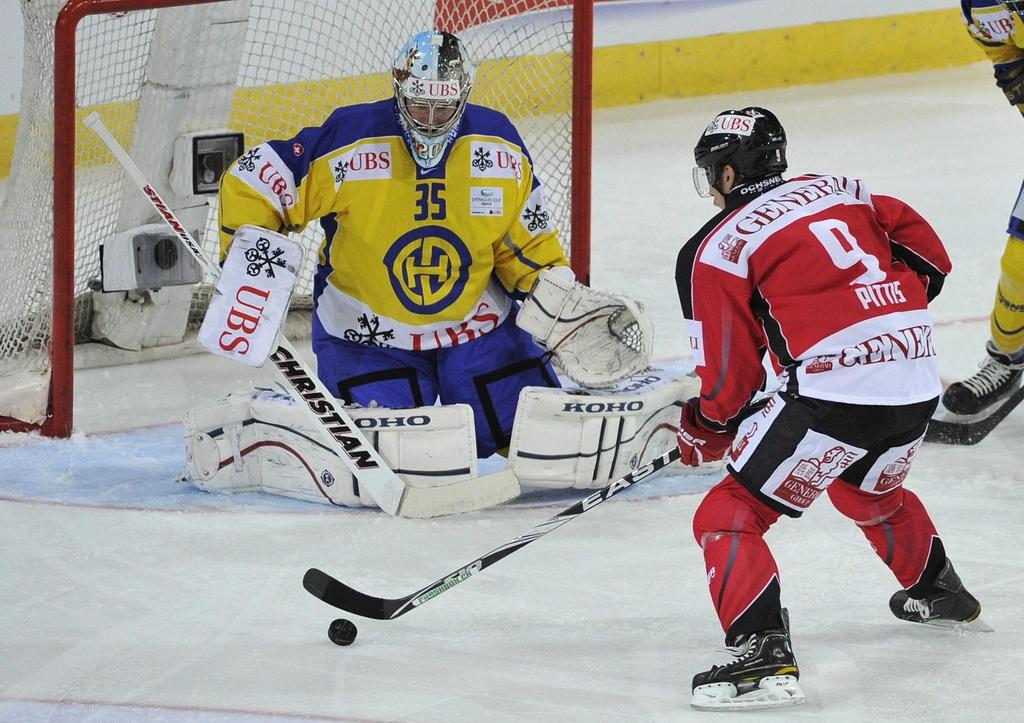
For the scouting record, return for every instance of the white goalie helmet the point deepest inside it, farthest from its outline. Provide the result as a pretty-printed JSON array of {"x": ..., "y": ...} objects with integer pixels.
[{"x": 432, "y": 76}]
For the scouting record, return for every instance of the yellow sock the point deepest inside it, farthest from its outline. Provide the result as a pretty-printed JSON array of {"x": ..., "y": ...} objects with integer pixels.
[{"x": 1007, "y": 321}]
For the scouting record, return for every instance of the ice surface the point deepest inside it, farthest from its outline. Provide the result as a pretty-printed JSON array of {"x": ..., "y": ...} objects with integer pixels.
[{"x": 126, "y": 596}]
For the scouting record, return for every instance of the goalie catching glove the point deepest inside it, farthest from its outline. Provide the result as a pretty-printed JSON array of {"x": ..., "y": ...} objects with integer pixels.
[{"x": 595, "y": 337}]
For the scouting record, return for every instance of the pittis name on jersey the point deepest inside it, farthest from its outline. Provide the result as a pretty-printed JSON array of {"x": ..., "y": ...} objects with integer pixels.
[{"x": 883, "y": 294}]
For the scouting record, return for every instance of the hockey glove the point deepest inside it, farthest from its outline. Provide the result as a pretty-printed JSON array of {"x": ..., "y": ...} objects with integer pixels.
[
  {"x": 698, "y": 442},
  {"x": 1010, "y": 79}
]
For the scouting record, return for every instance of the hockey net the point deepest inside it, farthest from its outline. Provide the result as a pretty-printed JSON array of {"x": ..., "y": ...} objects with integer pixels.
[{"x": 266, "y": 68}]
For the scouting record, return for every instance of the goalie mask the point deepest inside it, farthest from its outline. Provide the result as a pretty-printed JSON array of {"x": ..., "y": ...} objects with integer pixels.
[
  {"x": 432, "y": 76},
  {"x": 750, "y": 140}
]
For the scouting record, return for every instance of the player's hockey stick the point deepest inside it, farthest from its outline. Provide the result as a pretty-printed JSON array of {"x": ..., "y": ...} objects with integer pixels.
[
  {"x": 971, "y": 431},
  {"x": 348, "y": 442},
  {"x": 336, "y": 593}
]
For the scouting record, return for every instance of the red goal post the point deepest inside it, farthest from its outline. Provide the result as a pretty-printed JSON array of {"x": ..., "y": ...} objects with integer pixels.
[{"x": 545, "y": 87}]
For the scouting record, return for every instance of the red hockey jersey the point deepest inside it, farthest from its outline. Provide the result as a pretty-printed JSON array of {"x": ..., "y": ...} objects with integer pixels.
[{"x": 832, "y": 282}]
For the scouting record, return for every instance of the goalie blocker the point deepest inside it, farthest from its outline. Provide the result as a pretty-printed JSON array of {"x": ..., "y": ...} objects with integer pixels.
[
  {"x": 250, "y": 302},
  {"x": 262, "y": 442}
]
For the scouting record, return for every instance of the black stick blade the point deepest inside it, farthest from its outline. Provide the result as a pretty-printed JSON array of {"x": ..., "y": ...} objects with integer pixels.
[
  {"x": 949, "y": 431},
  {"x": 337, "y": 594}
]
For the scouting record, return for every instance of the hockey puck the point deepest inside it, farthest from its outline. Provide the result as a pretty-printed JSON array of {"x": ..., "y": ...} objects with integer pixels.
[{"x": 342, "y": 632}]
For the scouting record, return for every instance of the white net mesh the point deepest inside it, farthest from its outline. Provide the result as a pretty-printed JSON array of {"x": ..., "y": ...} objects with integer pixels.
[{"x": 263, "y": 67}]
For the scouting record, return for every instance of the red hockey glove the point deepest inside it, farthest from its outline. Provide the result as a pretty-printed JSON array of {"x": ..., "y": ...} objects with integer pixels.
[{"x": 698, "y": 442}]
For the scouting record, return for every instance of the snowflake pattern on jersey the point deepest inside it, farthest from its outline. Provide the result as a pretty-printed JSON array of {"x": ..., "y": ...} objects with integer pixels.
[
  {"x": 535, "y": 218},
  {"x": 247, "y": 161},
  {"x": 262, "y": 260},
  {"x": 373, "y": 336},
  {"x": 482, "y": 159},
  {"x": 340, "y": 170}
]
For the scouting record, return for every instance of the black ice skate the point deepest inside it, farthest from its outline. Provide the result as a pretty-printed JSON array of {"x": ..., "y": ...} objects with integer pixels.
[
  {"x": 949, "y": 606},
  {"x": 998, "y": 378},
  {"x": 974, "y": 406},
  {"x": 763, "y": 675}
]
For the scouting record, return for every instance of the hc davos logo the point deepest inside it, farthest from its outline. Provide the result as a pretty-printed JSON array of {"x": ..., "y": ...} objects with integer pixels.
[{"x": 428, "y": 268}]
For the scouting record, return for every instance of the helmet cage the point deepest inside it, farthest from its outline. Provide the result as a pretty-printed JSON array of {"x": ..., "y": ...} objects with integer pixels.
[
  {"x": 432, "y": 77},
  {"x": 1014, "y": 6}
]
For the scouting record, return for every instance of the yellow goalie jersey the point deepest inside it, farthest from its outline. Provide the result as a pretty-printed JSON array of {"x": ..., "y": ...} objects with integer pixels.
[
  {"x": 1000, "y": 32},
  {"x": 412, "y": 259}
]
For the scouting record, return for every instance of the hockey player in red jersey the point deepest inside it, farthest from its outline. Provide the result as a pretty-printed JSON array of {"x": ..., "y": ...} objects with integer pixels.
[{"x": 830, "y": 283}]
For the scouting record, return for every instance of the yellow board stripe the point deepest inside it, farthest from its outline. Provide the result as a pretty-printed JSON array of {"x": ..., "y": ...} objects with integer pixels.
[
  {"x": 758, "y": 59},
  {"x": 629, "y": 74}
]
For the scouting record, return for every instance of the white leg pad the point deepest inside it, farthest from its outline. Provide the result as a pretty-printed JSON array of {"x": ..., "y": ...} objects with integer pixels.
[
  {"x": 263, "y": 442},
  {"x": 579, "y": 439}
]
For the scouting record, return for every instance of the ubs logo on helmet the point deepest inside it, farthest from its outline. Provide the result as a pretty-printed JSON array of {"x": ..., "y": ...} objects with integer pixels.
[
  {"x": 741, "y": 125},
  {"x": 428, "y": 268}
]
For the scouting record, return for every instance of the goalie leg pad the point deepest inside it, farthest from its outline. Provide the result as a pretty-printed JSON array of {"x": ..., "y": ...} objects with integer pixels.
[
  {"x": 263, "y": 442},
  {"x": 578, "y": 440}
]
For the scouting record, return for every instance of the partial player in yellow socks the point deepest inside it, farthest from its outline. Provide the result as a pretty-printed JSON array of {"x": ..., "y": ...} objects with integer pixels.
[
  {"x": 1008, "y": 312},
  {"x": 1000, "y": 373},
  {"x": 997, "y": 26}
]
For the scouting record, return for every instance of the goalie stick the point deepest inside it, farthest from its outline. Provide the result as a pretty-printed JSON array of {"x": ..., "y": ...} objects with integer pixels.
[
  {"x": 347, "y": 441},
  {"x": 971, "y": 431},
  {"x": 339, "y": 595}
]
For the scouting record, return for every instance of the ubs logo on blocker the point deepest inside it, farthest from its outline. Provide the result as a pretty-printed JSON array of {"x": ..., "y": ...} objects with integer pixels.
[{"x": 428, "y": 268}]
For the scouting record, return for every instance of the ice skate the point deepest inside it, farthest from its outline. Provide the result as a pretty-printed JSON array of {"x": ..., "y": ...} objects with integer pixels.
[
  {"x": 763, "y": 675},
  {"x": 975, "y": 406},
  {"x": 997, "y": 379},
  {"x": 950, "y": 606}
]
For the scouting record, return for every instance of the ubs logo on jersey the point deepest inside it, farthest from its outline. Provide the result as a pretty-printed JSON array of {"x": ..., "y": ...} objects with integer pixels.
[
  {"x": 494, "y": 160},
  {"x": 365, "y": 162},
  {"x": 277, "y": 183},
  {"x": 428, "y": 268},
  {"x": 999, "y": 26},
  {"x": 264, "y": 171}
]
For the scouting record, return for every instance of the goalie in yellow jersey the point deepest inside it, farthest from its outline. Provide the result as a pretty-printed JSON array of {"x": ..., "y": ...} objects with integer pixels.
[
  {"x": 435, "y": 227},
  {"x": 998, "y": 27}
]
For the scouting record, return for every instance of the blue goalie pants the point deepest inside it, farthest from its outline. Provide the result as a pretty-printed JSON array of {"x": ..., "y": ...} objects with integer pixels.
[{"x": 487, "y": 374}]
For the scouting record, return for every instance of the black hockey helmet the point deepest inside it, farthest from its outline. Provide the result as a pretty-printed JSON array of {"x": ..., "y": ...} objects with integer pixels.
[{"x": 751, "y": 140}]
